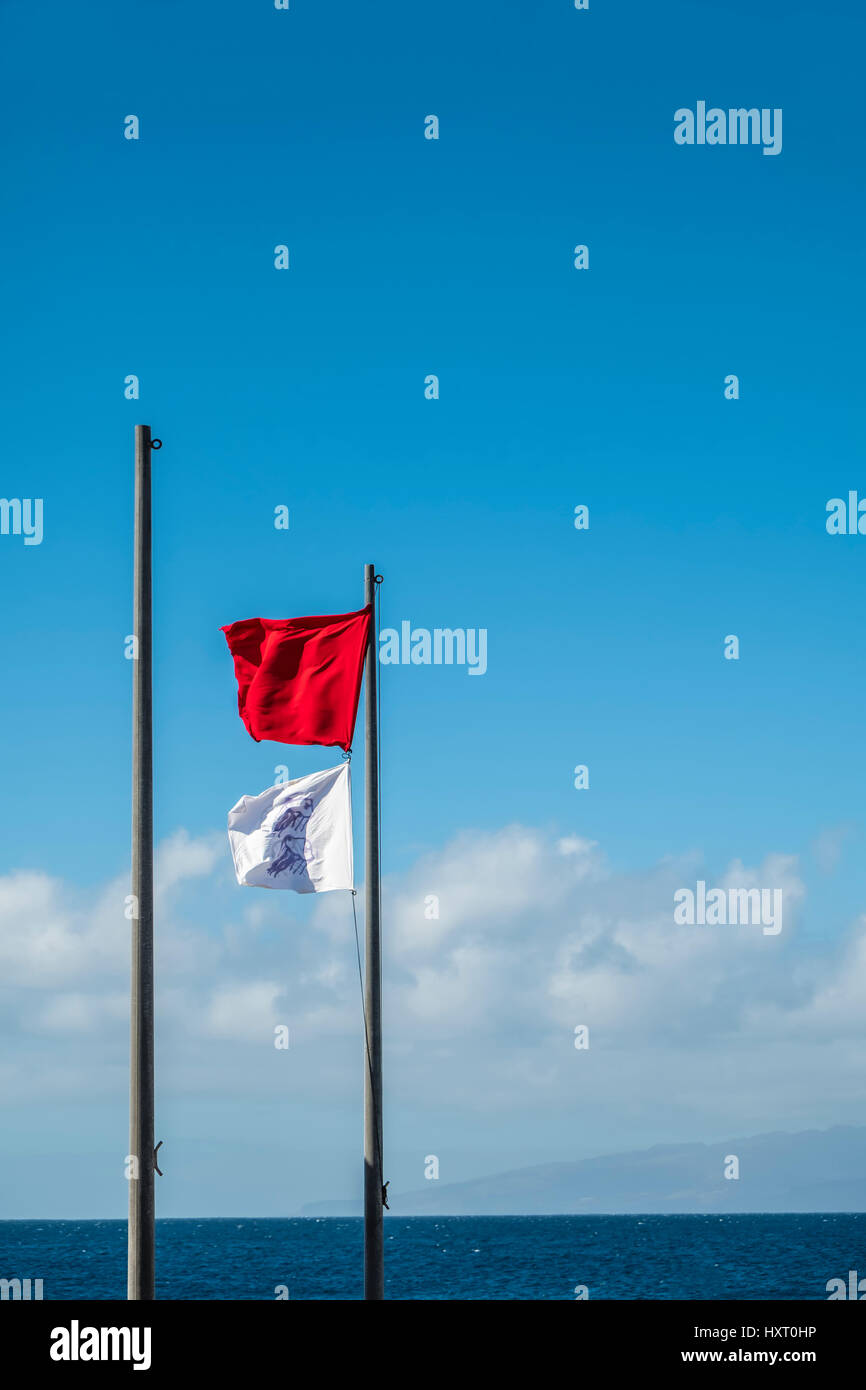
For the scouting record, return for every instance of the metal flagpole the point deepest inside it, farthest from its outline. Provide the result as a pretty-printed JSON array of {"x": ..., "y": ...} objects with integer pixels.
[
  {"x": 374, "y": 1235},
  {"x": 141, "y": 1156}
]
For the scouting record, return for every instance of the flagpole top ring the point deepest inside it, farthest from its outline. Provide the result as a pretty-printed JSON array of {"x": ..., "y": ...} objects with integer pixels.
[
  {"x": 156, "y": 444},
  {"x": 378, "y": 578}
]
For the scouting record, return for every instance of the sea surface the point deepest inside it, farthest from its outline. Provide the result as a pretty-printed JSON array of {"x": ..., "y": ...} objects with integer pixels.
[{"x": 456, "y": 1257}]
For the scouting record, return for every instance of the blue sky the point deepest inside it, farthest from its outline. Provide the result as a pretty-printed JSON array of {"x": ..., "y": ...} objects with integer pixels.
[{"x": 558, "y": 387}]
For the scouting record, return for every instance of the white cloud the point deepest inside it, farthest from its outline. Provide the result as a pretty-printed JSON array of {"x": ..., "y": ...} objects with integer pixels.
[
  {"x": 244, "y": 1012},
  {"x": 536, "y": 934},
  {"x": 181, "y": 857},
  {"x": 828, "y": 845},
  {"x": 81, "y": 1013}
]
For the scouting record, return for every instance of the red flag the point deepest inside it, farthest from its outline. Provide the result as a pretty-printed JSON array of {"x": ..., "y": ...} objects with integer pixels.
[{"x": 299, "y": 678}]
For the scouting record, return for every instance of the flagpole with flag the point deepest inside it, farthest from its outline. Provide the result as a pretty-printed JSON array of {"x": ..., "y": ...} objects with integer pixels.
[
  {"x": 299, "y": 682},
  {"x": 374, "y": 1191}
]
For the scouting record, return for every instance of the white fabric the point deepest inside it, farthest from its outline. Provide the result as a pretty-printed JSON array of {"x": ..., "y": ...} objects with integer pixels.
[{"x": 311, "y": 852}]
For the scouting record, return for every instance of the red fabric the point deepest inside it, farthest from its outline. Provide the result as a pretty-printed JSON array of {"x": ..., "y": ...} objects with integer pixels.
[{"x": 299, "y": 678}]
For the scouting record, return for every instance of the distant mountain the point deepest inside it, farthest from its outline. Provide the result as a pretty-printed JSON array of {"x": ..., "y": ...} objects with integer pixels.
[{"x": 816, "y": 1170}]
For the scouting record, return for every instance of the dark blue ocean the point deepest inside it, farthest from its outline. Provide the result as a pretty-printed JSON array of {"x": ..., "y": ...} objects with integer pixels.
[{"x": 458, "y": 1257}]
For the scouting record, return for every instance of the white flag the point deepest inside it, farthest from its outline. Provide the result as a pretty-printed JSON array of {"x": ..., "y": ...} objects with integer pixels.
[{"x": 297, "y": 835}]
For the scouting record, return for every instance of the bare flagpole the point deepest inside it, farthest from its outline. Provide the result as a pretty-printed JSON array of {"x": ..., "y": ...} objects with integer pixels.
[
  {"x": 374, "y": 1235},
  {"x": 140, "y": 1257}
]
